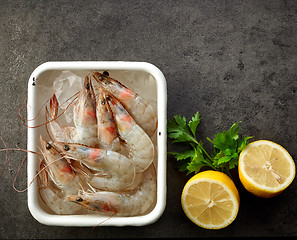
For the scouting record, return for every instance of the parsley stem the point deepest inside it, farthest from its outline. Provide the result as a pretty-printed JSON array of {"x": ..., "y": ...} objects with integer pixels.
[
  {"x": 228, "y": 172},
  {"x": 204, "y": 151}
]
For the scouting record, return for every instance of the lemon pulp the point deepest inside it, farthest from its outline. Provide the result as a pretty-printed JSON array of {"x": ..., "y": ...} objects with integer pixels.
[
  {"x": 265, "y": 168},
  {"x": 211, "y": 200}
]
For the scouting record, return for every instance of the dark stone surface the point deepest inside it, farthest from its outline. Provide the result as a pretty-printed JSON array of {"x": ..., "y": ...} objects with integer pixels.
[{"x": 229, "y": 60}]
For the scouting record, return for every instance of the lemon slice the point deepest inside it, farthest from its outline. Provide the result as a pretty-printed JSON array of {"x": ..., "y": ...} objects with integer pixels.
[
  {"x": 210, "y": 200},
  {"x": 265, "y": 168}
]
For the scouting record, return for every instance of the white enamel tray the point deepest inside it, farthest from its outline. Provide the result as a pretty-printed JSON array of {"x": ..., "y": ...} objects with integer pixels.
[{"x": 152, "y": 87}]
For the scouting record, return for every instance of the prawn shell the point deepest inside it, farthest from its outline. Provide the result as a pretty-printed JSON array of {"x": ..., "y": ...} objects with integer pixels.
[
  {"x": 140, "y": 109},
  {"x": 141, "y": 147},
  {"x": 107, "y": 134}
]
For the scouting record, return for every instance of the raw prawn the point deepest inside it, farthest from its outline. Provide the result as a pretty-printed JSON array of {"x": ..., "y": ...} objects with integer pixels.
[
  {"x": 84, "y": 130},
  {"x": 57, "y": 180},
  {"x": 107, "y": 134},
  {"x": 84, "y": 116},
  {"x": 94, "y": 178},
  {"x": 129, "y": 203},
  {"x": 141, "y": 110},
  {"x": 58, "y": 168},
  {"x": 52, "y": 196},
  {"x": 113, "y": 170},
  {"x": 141, "y": 147}
]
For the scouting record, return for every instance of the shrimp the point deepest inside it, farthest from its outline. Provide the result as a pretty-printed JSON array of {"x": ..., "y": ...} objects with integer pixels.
[
  {"x": 84, "y": 130},
  {"x": 57, "y": 180},
  {"x": 113, "y": 170},
  {"x": 84, "y": 116},
  {"x": 141, "y": 110},
  {"x": 52, "y": 196},
  {"x": 141, "y": 147},
  {"x": 129, "y": 203},
  {"x": 107, "y": 134},
  {"x": 94, "y": 178},
  {"x": 58, "y": 168}
]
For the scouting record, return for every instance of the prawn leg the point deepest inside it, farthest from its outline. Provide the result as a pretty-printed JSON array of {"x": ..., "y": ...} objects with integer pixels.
[
  {"x": 130, "y": 203},
  {"x": 114, "y": 170}
]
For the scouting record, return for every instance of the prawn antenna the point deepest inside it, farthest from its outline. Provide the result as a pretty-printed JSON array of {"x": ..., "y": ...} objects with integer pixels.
[
  {"x": 39, "y": 111},
  {"x": 28, "y": 120},
  {"x": 91, "y": 187},
  {"x": 6, "y": 149},
  {"x": 104, "y": 221},
  {"x": 40, "y": 171},
  {"x": 6, "y": 160},
  {"x": 14, "y": 180}
]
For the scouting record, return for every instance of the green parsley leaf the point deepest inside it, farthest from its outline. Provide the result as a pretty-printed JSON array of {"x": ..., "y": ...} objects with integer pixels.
[
  {"x": 193, "y": 123},
  {"x": 197, "y": 162},
  {"x": 183, "y": 155},
  {"x": 179, "y": 131},
  {"x": 227, "y": 146}
]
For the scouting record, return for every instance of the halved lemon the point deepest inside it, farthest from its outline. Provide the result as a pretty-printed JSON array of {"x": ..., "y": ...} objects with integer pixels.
[
  {"x": 210, "y": 200},
  {"x": 265, "y": 168}
]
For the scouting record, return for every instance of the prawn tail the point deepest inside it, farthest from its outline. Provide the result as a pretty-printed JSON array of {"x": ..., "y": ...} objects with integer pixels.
[{"x": 54, "y": 106}]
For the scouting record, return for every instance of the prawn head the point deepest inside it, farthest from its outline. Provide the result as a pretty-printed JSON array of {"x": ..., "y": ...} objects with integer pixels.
[{"x": 106, "y": 202}]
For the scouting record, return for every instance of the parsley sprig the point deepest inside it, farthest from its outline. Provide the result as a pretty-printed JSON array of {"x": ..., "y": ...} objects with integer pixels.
[{"x": 227, "y": 146}]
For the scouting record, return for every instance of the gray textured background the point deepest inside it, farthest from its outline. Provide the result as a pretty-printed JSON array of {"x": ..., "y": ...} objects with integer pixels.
[{"x": 229, "y": 60}]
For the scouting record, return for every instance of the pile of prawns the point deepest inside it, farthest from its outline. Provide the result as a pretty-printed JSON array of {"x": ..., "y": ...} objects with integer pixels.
[{"x": 104, "y": 163}]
